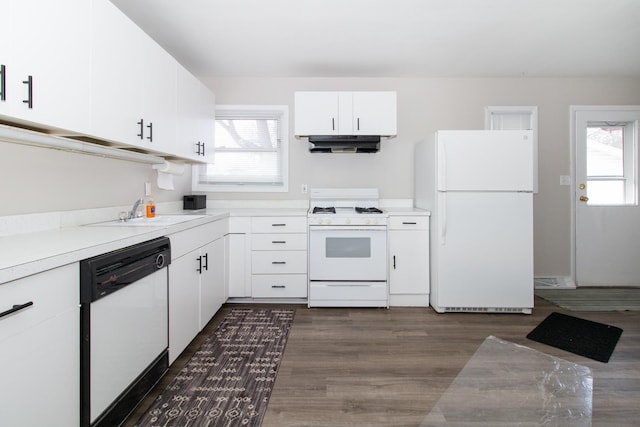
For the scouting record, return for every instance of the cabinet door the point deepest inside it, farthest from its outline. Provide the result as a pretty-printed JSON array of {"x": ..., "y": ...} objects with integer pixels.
[
  {"x": 237, "y": 284},
  {"x": 7, "y": 48},
  {"x": 316, "y": 113},
  {"x": 211, "y": 281},
  {"x": 41, "y": 365},
  {"x": 195, "y": 118},
  {"x": 117, "y": 76},
  {"x": 374, "y": 113},
  {"x": 409, "y": 262},
  {"x": 184, "y": 302},
  {"x": 51, "y": 51},
  {"x": 159, "y": 97}
]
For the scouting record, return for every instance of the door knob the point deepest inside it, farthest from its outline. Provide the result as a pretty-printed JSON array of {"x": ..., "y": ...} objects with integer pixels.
[
  {"x": 584, "y": 198},
  {"x": 582, "y": 186}
]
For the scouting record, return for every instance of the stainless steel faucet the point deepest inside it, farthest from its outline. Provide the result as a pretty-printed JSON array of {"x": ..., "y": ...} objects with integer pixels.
[{"x": 134, "y": 209}]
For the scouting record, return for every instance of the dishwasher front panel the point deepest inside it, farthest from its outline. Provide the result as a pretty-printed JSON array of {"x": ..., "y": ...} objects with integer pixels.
[{"x": 129, "y": 329}]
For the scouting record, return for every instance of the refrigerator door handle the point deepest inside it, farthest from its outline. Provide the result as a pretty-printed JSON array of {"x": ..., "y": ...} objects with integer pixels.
[
  {"x": 442, "y": 214},
  {"x": 442, "y": 166}
]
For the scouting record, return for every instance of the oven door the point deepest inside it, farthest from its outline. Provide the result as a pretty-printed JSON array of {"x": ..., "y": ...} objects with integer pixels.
[{"x": 348, "y": 253}]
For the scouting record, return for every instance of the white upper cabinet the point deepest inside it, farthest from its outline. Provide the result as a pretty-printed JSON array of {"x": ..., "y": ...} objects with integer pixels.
[
  {"x": 345, "y": 113},
  {"x": 134, "y": 83},
  {"x": 195, "y": 118},
  {"x": 117, "y": 76},
  {"x": 46, "y": 73}
]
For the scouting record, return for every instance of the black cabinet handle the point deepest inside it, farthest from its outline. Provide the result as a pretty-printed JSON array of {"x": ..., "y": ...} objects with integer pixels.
[
  {"x": 200, "y": 151},
  {"x": 150, "y": 127},
  {"x": 29, "y": 83},
  {"x": 394, "y": 262},
  {"x": 358, "y": 125},
  {"x": 279, "y": 241},
  {"x": 333, "y": 123},
  {"x": 278, "y": 225},
  {"x": 3, "y": 83},
  {"x": 206, "y": 262},
  {"x": 199, "y": 269},
  {"x": 141, "y": 133},
  {"x": 409, "y": 223},
  {"x": 278, "y": 262},
  {"x": 15, "y": 308},
  {"x": 278, "y": 286}
]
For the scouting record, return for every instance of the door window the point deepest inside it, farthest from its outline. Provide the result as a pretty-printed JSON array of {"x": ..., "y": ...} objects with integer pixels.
[{"x": 610, "y": 169}]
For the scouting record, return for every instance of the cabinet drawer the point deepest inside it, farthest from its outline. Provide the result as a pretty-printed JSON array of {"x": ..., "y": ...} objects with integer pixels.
[
  {"x": 279, "y": 262},
  {"x": 279, "y": 286},
  {"x": 282, "y": 242},
  {"x": 51, "y": 293},
  {"x": 409, "y": 222},
  {"x": 287, "y": 224},
  {"x": 348, "y": 291}
]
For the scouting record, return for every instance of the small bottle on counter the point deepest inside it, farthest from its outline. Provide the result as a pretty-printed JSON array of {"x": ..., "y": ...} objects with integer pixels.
[{"x": 151, "y": 208}]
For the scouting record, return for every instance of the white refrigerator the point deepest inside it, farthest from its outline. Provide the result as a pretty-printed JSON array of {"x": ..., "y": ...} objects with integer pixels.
[{"x": 478, "y": 186}]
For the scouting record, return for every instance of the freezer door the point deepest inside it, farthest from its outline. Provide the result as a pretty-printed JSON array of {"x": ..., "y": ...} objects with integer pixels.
[
  {"x": 484, "y": 250},
  {"x": 485, "y": 160}
]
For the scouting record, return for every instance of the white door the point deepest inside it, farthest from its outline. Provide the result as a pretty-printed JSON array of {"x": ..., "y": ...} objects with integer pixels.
[
  {"x": 607, "y": 222},
  {"x": 374, "y": 113},
  {"x": 484, "y": 160},
  {"x": 316, "y": 113}
]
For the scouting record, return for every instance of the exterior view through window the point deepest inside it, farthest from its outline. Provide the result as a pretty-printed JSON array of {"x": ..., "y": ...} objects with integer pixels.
[{"x": 611, "y": 175}]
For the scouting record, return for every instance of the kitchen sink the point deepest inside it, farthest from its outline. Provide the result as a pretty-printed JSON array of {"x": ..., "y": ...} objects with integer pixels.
[{"x": 158, "y": 221}]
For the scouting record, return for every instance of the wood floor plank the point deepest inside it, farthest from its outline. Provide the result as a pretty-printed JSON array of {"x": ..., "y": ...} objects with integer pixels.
[{"x": 377, "y": 367}]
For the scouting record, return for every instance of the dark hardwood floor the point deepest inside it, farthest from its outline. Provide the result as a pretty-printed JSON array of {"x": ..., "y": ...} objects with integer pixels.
[{"x": 377, "y": 367}]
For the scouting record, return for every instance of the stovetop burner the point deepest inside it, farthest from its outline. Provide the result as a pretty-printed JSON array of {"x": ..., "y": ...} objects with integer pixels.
[
  {"x": 320, "y": 210},
  {"x": 368, "y": 210}
]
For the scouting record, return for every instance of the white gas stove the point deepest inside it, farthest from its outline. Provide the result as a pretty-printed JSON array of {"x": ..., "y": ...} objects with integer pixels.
[{"x": 348, "y": 263}]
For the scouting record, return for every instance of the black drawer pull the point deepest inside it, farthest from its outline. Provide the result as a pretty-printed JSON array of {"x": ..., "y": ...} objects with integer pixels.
[
  {"x": 15, "y": 308},
  {"x": 278, "y": 241},
  {"x": 278, "y": 225},
  {"x": 278, "y": 262},
  {"x": 278, "y": 286},
  {"x": 409, "y": 223}
]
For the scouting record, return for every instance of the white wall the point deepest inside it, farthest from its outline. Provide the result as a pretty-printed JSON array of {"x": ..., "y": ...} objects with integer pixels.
[
  {"x": 40, "y": 180},
  {"x": 426, "y": 105}
]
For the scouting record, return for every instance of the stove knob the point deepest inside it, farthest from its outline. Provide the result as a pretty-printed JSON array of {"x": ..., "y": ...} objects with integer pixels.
[
  {"x": 328, "y": 221},
  {"x": 348, "y": 221},
  {"x": 375, "y": 222},
  {"x": 367, "y": 221}
]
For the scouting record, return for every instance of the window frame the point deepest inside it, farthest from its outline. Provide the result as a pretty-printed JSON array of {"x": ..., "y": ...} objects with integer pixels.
[{"x": 279, "y": 112}]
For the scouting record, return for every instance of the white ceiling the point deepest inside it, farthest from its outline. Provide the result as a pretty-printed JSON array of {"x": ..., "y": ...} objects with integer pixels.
[{"x": 395, "y": 38}]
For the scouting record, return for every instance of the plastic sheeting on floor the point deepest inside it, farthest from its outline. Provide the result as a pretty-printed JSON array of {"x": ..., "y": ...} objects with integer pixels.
[{"x": 506, "y": 384}]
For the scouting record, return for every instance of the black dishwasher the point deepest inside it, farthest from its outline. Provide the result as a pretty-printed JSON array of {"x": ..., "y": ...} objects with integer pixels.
[{"x": 123, "y": 329}]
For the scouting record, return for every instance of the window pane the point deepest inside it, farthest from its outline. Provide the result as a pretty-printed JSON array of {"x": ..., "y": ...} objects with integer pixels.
[
  {"x": 259, "y": 134},
  {"x": 605, "y": 151},
  {"x": 606, "y": 192},
  {"x": 246, "y": 167}
]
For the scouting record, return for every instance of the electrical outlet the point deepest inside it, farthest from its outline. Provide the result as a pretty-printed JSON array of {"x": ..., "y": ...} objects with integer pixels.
[
  {"x": 147, "y": 188},
  {"x": 304, "y": 189}
]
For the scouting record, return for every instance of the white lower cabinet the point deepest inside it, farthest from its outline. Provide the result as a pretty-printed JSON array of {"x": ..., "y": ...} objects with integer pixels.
[
  {"x": 40, "y": 343},
  {"x": 196, "y": 282},
  {"x": 238, "y": 249},
  {"x": 409, "y": 260},
  {"x": 279, "y": 257}
]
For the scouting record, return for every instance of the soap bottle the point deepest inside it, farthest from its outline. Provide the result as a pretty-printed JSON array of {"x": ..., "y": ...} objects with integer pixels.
[{"x": 151, "y": 208}]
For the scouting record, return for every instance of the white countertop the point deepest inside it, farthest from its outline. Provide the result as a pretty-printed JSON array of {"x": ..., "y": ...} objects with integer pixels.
[{"x": 30, "y": 253}]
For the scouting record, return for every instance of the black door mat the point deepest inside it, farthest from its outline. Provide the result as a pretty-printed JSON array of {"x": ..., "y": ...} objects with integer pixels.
[{"x": 584, "y": 337}]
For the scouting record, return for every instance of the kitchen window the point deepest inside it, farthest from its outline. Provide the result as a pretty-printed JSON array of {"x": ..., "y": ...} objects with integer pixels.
[{"x": 251, "y": 151}]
